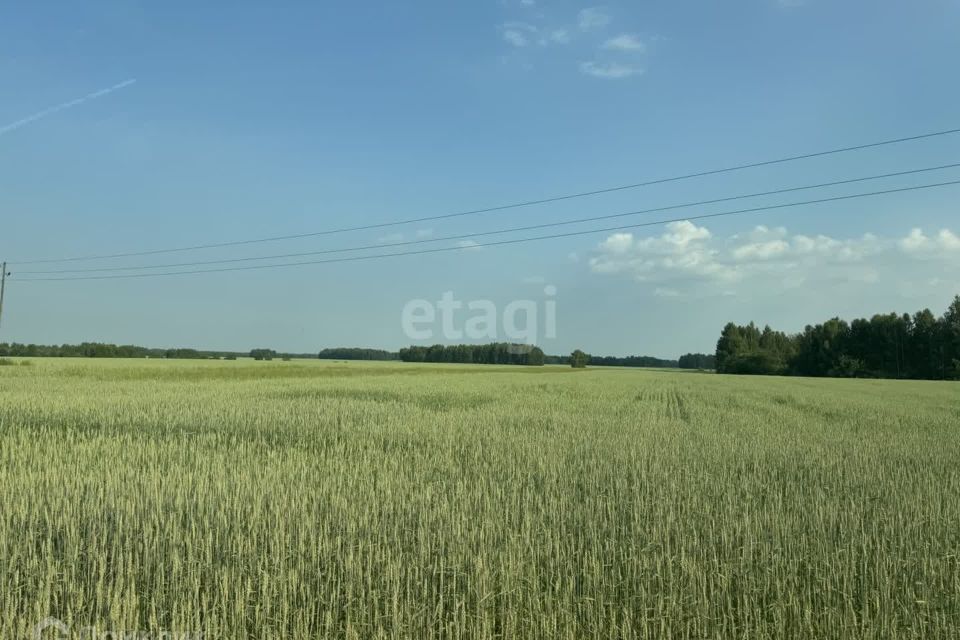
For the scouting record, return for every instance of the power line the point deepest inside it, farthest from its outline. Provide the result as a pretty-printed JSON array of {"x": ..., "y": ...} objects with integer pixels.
[
  {"x": 505, "y": 207},
  {"x": 496, "y": 232},
  {"x": 503, "y": 242}
]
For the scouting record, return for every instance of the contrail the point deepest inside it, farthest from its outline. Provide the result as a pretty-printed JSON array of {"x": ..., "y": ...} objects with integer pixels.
[{"x": 66, "y": 105}]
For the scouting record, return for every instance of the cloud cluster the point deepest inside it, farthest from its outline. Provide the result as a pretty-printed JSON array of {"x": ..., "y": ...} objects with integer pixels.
[
  {"x": 592, "y": 18},
  {"x": 524, "y": 34},
  {"x": 688, "y": 257},
  {"x": 625, "y": 42},
  {"x": 918, "y": 243},
  {"x": 618, "y": 56},
  {"x": 605, "y": 55},
  {"x": 609, "y": 70}
]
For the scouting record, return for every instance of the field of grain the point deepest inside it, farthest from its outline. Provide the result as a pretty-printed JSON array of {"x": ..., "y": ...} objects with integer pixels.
[{"x": 328, "y": 500}]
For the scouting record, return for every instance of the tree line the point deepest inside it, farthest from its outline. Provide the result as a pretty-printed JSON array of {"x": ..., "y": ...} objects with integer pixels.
[
  {"x": 697, "y": 361},
  {"x": 505, "y": 353},
  {"x": 357, "y": 353},
  {"x": 493, "y": 353},
  {"x": 107, "y": 350},
  {"x": 631, "y": 361},
  {"x": 687, "y": 361},
  {"x": 99, "y": 350},
  {"x": 892, "y": 345}
]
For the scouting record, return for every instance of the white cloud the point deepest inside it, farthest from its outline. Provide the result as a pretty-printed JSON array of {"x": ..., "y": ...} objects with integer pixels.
[
  {"x": 523, "y": 34},
  {"x": 625, "y": 42},
  {"x": 469, "y": 245},
  {"x": 518, "y": 34},
  {"x": 424, "y": 233},
  {"x": 530, "y": 34},
  {"x": 685, "y": 232},
  {"x": 914, "y": 241},
  {"x": 853, "y": 250},
  {"x": 761, "y": 233},
  {"x": 763, "y": 243},
  {"x": 917, "y": 242},
  {"x": 949, "y": 240},
  {"x": 517, "y": 39},
  {"x": 687, "y": 253},
  {"x": 761, "y": 250},
  {"x": 617, "y": 243},
  {"x": 609, "y": 70},
  {"x": 592, "y": 18},
  {"x": 683, "y": 248}
]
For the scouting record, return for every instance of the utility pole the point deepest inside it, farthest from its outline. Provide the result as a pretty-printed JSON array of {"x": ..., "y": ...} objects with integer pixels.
[{"x": 3, "y": 282}]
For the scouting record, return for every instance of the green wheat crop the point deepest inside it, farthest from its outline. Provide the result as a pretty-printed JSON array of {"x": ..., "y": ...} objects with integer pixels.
[{"x": 319, "y": 500}]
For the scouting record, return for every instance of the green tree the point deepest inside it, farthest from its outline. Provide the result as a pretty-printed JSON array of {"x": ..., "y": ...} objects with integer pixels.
[
  {"x": 922, "y": 352},
  {"x": 579, "y": 359},
  {"x": 535, "y": 357},
  {"x": 950, "y": 340},
  {"x": 729, "y": 344}
]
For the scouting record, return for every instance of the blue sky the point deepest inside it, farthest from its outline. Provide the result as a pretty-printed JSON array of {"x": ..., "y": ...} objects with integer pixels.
[{"x": 246, "y": 120}]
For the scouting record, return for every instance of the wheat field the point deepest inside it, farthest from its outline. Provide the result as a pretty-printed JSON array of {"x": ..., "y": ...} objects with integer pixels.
[{"x": 371, "y": 500}]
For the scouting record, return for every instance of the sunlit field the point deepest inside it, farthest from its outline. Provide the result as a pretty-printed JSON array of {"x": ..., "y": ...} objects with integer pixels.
[{"x": 363, "y": 500}]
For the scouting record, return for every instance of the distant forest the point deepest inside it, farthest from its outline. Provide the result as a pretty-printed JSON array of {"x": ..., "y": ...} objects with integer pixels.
[
  {"x": 493, "y": 353},
  {"x": 697, "y": 361},
  {"x": 504, "y": 353},
  {"x": 632, "y": 361},
  {"x": 105, "y": 350},
  {"x": 102, "y": 350},
  {"x": 921, "y": 346},
  {"x": 358, "y": 353}
]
